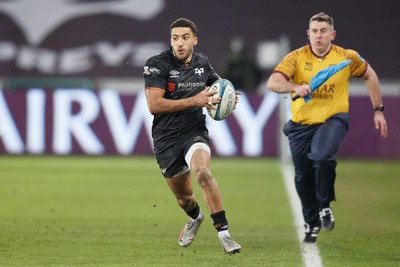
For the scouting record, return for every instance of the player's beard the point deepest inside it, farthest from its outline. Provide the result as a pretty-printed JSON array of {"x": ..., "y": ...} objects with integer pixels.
[{"x": 185, "y": 57}]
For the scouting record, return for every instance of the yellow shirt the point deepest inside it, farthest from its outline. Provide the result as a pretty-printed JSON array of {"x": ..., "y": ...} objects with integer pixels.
[{"x": 331, "y": 97}]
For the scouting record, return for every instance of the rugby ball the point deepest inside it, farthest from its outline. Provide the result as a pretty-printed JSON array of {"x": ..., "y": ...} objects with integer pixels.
[{"x": 226, "y": 92}]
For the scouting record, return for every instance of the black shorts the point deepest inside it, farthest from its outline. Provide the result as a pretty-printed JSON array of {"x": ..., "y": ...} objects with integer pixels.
[{"x": 171, "y": 157}]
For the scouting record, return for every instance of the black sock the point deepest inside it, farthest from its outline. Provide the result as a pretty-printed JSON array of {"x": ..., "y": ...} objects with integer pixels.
[
  {"x": 194, "y": 213},
  {"x": 324, "y": 205},
  {"x": 220, "y": 221}
]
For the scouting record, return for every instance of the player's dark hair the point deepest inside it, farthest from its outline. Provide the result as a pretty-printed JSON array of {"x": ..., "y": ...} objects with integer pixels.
[
  {"x": 322, "y": 17},
  {"x": 183, "y": 22}
]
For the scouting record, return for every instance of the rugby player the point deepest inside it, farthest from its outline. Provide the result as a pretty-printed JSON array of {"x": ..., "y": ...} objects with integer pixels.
[{"x": 176, "y": 83}]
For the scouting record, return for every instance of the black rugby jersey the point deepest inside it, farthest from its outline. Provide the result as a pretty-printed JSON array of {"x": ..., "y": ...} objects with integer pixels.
[{"x": 178, "y": 81}]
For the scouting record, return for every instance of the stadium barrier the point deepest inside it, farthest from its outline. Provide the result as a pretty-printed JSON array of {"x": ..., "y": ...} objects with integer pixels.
[{"x": 106, "y": 122}]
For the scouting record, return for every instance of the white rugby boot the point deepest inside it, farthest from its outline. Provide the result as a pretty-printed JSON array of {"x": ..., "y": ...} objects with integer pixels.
[
  {"x": 229, "y": 246},
  {"x": 189, "y": 231},
  {"x": 327, "y": 219}
]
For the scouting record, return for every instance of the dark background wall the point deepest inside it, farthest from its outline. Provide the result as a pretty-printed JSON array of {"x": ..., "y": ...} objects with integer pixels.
[{"x": 370, "y": 27}]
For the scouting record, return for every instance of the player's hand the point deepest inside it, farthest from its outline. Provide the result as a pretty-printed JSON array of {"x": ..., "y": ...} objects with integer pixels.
[
  {"x": 380, "y": 123},
  {"x": 303, "y": 90},
  {"x": 205, "y": 99}
]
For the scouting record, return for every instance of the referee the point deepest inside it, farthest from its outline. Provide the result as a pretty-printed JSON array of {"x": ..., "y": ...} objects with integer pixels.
[{"x": 318, "y": 128}]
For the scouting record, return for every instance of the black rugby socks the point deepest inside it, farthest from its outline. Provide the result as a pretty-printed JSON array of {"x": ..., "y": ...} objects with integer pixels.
[
  {"x": 194, "y": 213},
  {"x": 220, "y": 221}
]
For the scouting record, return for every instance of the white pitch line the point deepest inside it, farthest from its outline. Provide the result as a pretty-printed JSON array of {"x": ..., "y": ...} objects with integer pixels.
[{"x": 310, "y": 252}]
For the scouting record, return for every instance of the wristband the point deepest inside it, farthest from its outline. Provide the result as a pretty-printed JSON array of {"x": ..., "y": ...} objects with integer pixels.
[{"x": 379, "y": 108}]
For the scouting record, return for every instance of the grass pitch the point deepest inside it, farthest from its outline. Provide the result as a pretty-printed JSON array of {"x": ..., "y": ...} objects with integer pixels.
[{"x": 118, "y": 211}]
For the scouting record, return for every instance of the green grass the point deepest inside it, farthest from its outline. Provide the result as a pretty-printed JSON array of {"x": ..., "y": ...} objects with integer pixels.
[
  {"x": 118, "y": 211},
  {"x": 367, "y": 232}
]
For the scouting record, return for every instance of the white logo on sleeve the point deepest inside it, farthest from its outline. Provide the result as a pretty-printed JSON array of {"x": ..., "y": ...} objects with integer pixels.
[{"x": 149, "y": 70}]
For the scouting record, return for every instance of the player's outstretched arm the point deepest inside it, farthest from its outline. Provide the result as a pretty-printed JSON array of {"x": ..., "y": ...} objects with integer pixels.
[
  {"x": 277, "y": 83},
  {"x": 158, "y": 104}
]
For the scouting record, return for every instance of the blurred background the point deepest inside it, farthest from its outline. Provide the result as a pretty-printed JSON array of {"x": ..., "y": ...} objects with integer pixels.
[{"x": 71, "y": 71}]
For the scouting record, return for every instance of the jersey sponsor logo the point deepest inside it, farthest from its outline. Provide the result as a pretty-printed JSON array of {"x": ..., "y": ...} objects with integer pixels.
[
  {"x": 149, "y": 70},
  {"x": 174, "y": 74},
  {"x": 325, "y": 91},
  {"x": 191, "y": 85},
  {"x": 199, "y": 71}
]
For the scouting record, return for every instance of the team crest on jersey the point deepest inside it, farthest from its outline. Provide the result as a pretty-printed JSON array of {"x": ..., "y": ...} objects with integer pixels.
[
  {"x": 174, "y": 74},
  {"x": 308, "y": 66},
  {"x": 199, "y": 71}
]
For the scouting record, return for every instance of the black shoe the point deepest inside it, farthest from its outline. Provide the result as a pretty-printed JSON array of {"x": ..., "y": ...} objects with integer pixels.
[
  {"x": 312, "y": 232},
  {"x": 327, "y": 219}
]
